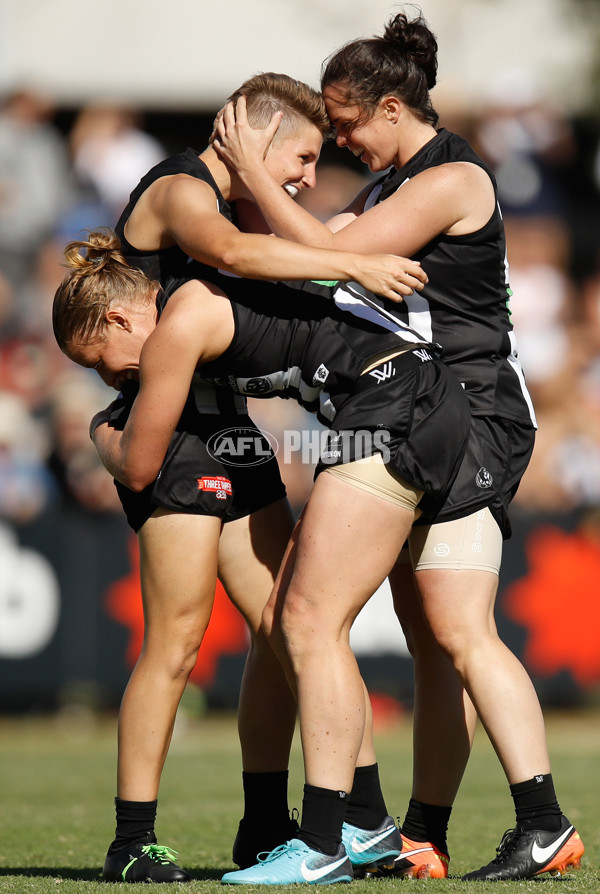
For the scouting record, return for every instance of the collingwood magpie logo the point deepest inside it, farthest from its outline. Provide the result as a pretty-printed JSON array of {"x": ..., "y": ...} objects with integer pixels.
[
  {"x": 381, "y": 373},
  {"x": 483, "y": 478}
]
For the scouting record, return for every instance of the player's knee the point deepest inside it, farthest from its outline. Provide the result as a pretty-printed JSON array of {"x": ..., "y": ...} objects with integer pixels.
[
  {"x": 272, "y": 634},
  {"x": 411, "y": 643},
  {"x": 177, "y": 653},
  {"x": 305, "y": 626},
  {"x": 457, "y": 645},
  {"x": 268, "y": 620},
  {"x": 420, "y": 641},
  {"x": 175, "y": 664}
]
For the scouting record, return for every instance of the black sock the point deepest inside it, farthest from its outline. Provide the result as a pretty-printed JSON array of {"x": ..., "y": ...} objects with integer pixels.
[
  {"x": 266, "y": 797},
  {"x": 135, "y": 822},
  {"x": 366, "y": 807},
  {"x": 427, "y": 822},
  {"x": 323, "y": 814},
  {"x": 536, "y": 806}
]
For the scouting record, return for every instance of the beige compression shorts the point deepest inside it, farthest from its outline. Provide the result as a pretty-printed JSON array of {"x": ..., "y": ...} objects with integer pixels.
[
  {"x": 473, "y": 542},
  {"x": 470, "y": 543},
  {"x": 371, "y": 474}
]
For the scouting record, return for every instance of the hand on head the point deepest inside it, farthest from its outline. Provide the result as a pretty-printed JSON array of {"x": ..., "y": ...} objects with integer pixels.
[{"x": 235, "y": 141}]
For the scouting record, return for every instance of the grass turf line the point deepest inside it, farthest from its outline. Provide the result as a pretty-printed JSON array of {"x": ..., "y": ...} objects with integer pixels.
[{"x": 57, "y": 784}]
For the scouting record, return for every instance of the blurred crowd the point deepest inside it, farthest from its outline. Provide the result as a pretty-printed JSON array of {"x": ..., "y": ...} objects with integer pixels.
[{"x": 54, "y": 185}]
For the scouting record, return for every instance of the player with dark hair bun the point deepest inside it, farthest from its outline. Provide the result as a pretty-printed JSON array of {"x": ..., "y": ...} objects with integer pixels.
[
  {"x": 403, "y": 62},
  {"x": 436, "y": 201}
]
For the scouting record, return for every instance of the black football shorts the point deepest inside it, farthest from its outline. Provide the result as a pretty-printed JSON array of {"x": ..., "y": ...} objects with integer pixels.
[
  {"x": 219, "y": 465},
  {"x": 423, "y": 412},
  {"x": 497, "y": 455}
]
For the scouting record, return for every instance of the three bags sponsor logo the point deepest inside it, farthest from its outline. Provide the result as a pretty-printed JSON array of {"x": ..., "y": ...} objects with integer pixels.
[{"x": 217, "y": 485}]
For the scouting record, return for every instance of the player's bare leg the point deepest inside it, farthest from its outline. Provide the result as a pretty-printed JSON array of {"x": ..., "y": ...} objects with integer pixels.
[
  {"x": 178, "y": 567},
  {"x": 250, "y": 554},
  {"x": 330, "y": 583},
  {"x": 440, "y": 702}
]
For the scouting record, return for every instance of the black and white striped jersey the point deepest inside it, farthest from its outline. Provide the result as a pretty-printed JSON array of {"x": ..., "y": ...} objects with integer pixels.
[
  {"x": 464, "y": 306},
  {"x": 298, "y": 345},
  {"x": 347, "y": 371}
]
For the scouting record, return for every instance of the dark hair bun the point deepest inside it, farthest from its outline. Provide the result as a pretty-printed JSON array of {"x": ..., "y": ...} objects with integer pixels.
[{"x": 414, "y": 39}]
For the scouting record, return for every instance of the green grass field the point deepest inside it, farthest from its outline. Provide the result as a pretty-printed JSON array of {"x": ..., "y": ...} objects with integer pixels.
[{"x": 57, "y": 816}]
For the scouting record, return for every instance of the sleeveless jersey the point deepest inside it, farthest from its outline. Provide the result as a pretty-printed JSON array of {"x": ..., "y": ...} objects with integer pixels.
[
  {"x": 295, "y": 345},
  {"x": 168, "y": 265},
  {"x": 464, "y": 306},
  {"x": 300, "y": 346}
]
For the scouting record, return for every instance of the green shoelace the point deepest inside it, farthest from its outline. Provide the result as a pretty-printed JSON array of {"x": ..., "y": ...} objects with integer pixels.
[{"x": 158, "y": 853}]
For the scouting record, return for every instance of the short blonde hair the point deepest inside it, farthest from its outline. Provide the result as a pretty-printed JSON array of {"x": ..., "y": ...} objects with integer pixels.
[{"x": 268, "y": 92}]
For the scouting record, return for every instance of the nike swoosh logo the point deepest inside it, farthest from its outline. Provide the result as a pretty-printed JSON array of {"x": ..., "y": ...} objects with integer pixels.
[
  {"x": 420, "y": 850},
  {"x": 358, "y": 847},
  {"x": 311, "y": 875},
  {"x": 543, "y": 854}
]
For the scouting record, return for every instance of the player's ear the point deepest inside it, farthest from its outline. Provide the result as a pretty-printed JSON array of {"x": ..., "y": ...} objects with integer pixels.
[
  {"x": 392, "y": 108},
  {"x": 117, "y": 317}
]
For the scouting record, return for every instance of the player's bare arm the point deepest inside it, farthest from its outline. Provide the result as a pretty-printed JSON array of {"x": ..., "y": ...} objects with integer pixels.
[
  {"x": 196, "y": 326},
  {"x": 454, "y": 199},
  {"x": 195, "y": 225},
  {"x": 181, "y": 210}
]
